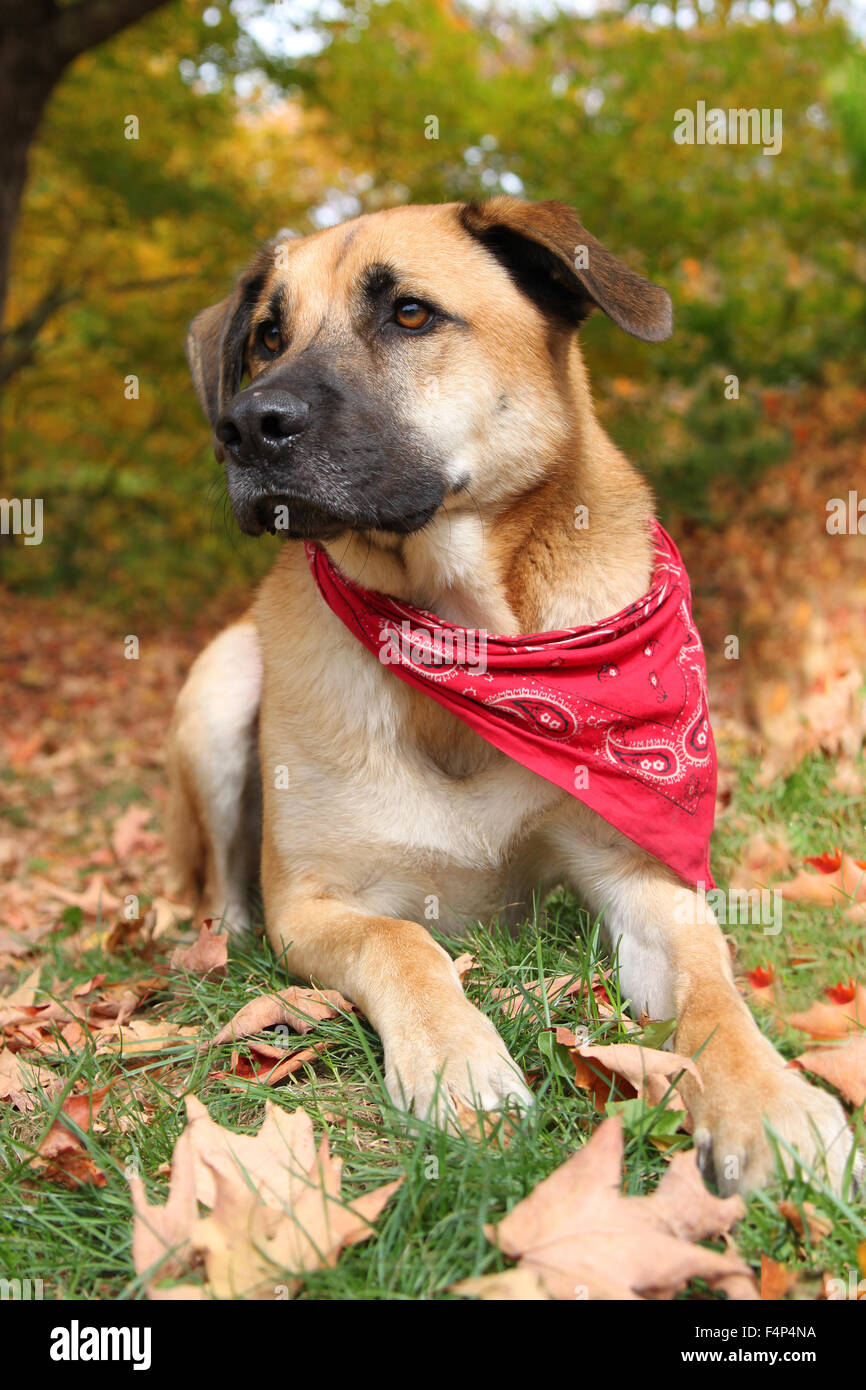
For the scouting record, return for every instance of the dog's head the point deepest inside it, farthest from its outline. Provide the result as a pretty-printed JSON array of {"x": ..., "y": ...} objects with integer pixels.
[{"x": 406, "y": 358}]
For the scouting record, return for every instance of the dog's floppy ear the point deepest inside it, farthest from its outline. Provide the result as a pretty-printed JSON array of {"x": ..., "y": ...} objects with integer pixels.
[
  {"x": 217, "y": 339},
  {"x": 555, "y": 261}
]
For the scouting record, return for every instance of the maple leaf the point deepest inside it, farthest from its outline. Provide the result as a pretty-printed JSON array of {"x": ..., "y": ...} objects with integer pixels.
[
  {"x": 577, "y": 1236},
  {"x": 19, "y": 1005},
  {"x": 839, "y": 879},
  {"x": 207, "y": 956},
  {"x": 761, "y": 984},
  {"x": 61, "y": 1155},
  {"x": 277, "y": 1066},
  {"x": 845, "y": 1012},
  {"x": 647, "y": 1070},
  {"x": 806, "y": 1218},
  {"x": 128, "y": 833},
  {"x": 275, "y": 1209},
  {"x": 298, "y": 1007},
  {"x": 776, "y": 1280},
  {"x": 21, "y": 1082},
  {"x": 141, "y": 1037},
  {"x": 844, "y": 1067},
  {"x": 95, "y": 900}
]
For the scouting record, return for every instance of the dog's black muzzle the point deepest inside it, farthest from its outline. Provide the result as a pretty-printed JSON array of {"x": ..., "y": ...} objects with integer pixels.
[{"x": 313, "y": 468}]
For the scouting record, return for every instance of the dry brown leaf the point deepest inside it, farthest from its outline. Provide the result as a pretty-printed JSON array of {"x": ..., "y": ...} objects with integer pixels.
[
  {"x": 141, "y": 1037},
  {"x": 465, "y": 963},
  {"x": 297, "y": 1007},
  {"x": 95, "y": 900},
  {"x": 761, "y": 985},
  {"x": 516, "y": 999},
  {"x": 22, "y": 1083},
  {"x": 160, "y": 1233},
  {"x": 164, "y": 914},
  {"x": 277, "y": 1066},
  {"x": 806, "y": 1218},
  {"x": 582, "y": 1238},
  {"x": 835, "y": 880},
  {"x": 648, "y": 1070},
  {"x": 843, "y": 1067},
  {"x": 207, "y": 956},
  {"x": 764, "y": 857},
  {"x": 61, "y": 1156},
  {"x": 842, "y": 1011},
  {"x": 776, "y": 1280},
  {"x": 128, "y": 834},
  {"x": 276, "y": 1210},
  {"x": 16, "y": 1006}
]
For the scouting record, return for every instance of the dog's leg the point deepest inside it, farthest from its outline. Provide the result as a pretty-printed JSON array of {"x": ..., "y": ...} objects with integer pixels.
[
  {"x": 438, "y": 1047},
  {"x": 674, "y": 962},
  {"x": 213, "y": 827}
]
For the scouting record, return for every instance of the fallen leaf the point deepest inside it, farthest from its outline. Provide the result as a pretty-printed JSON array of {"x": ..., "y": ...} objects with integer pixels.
[
  {"x": 141, "y": 1037},
  {"x": 806, "y": 1218},
  {"x": 128, "y": 832},
  {"x": 844, "y": 1012},
  {"x": 764, "y": 857},
  {"x": 844, "y": 1067},
  {"x": 582, "y": 1238},
  {"x": 164, "y": 914},
  {"x": 275, "y": 1209},
  {"x": 298, "y": 1007},
  {"x": 22, "y": 1082},
  {"x": 776, "y": 1280},
  {"x": 207, "y": 956},
  {"x": 839, "y": 879},
  {"x": 160, "y": 1234},
  {"x": 61, "y": 1156},
  {"x": 272, "y": 1071},
  {"x": 19, "y": 1005},
  {"x": 647, "y": 1069},
  {"x": 95, "y": 900},
  {"x": 463, "y": 964},
  {"x": 761, "y": 984}
]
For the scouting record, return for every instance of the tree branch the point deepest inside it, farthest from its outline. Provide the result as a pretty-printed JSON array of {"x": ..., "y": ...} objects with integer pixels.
[
  {"x": 18, "y": 344},
  {"x": 77, "y": 28}
]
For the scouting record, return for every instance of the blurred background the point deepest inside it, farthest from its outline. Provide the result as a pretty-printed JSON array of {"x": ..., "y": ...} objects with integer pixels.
[{"x": 164, "y": 141}]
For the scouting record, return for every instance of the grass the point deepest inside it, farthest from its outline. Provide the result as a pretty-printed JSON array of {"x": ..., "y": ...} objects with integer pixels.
[{"x": 432, "y": 1232}]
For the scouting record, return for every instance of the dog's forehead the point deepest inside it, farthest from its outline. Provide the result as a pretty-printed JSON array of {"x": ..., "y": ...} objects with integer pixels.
[{"x": 427, "y": 249}]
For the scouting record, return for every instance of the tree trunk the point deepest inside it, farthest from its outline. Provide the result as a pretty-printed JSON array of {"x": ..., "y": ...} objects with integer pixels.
[{"x": 38, "y": 40}]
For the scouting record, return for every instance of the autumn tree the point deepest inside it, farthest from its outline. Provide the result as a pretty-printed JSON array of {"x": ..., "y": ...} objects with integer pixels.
[{"x": 38, "y": 41}]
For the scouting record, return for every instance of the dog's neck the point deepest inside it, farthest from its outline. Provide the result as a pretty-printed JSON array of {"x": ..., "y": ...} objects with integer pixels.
[{"x": 573, "y": 550}]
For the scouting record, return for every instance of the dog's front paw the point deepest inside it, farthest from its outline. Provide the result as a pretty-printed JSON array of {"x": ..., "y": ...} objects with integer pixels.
[
  {"x": 734, "y": 1146},
  {"x": 457, "y": 1058}
]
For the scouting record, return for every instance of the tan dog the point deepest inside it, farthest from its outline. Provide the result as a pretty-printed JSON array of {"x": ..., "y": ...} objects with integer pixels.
[{"x": 419, "y": 404}]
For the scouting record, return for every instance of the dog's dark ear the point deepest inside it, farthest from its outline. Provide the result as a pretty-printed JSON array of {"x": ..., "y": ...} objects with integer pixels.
[
  {"x": 217, "y": 340},
  {"x": 555, "y": 261},
  {"x": 204, "y": 341}
]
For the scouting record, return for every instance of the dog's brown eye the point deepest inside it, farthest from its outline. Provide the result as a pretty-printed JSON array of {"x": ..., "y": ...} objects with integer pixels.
[
  {"x": 272, "y": 338},
  {"x": 410, "y": 314}
]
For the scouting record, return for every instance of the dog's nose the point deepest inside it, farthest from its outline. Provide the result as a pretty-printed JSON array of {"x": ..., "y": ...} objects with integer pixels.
[{"x": 258, "y": 423}]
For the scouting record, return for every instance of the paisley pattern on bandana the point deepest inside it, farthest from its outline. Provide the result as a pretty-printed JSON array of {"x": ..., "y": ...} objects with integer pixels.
[{"x": 622, "y": 702}]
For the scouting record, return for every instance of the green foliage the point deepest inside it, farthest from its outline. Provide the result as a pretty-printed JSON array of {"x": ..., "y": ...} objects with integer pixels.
[{"x": 763, "y": 255}]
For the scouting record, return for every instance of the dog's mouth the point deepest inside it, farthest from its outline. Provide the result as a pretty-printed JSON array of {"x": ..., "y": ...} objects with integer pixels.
[{"x": 297, "y": 518}]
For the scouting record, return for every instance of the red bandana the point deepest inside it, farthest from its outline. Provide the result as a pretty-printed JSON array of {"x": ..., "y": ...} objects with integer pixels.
[{"x": 614, "y": 713}]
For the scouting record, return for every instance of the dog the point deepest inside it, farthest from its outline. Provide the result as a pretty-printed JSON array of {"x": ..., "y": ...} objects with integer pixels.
[{"x": 418, "y": 412}]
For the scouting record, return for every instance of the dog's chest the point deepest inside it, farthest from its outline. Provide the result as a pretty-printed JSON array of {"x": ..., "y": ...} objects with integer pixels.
[{"x": 376, "y": 770}]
